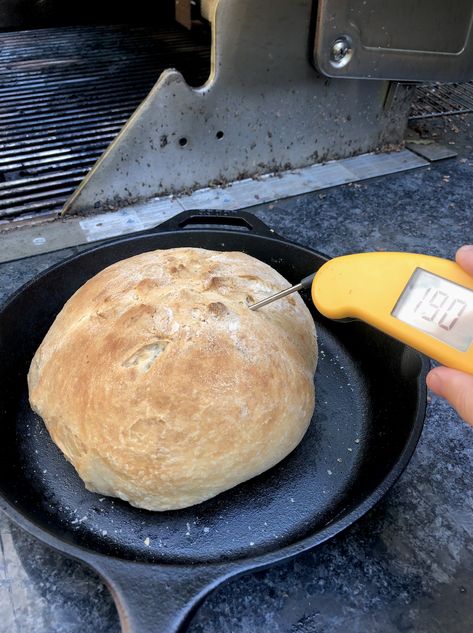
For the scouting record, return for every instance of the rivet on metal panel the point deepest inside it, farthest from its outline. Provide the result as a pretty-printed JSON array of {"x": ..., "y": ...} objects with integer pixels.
[{"x": 341, "y": 52}]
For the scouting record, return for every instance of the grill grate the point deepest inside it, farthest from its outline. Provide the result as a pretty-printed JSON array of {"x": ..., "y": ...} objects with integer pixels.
[
  {"x": 433, "y": 100},
  {"x": 64, "y": 95}
]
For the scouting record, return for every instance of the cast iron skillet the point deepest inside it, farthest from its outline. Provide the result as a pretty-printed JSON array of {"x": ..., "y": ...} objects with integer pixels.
[{"x": 371, "y": 400}]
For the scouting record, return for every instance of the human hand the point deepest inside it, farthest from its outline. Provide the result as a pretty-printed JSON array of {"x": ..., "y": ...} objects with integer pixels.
[{"x": 451, "y": 384}]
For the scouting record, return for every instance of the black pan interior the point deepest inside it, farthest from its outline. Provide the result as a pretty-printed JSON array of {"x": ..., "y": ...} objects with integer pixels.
[{"x": 359, "y": 430}]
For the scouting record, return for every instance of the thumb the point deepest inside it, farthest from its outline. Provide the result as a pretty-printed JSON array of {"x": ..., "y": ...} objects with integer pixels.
[
  {"x": 464, "y": 258},
  {"x": 456, "y": 387}
]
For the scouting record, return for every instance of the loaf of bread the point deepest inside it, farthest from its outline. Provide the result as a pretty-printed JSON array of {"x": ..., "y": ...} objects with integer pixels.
[{"x": 162, "y": 388}]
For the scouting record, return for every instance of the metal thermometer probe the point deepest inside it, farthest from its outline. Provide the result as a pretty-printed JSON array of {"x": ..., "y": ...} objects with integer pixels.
[
  {"x": 303, "y": 285},
  {"x": 424, "y": 301}
]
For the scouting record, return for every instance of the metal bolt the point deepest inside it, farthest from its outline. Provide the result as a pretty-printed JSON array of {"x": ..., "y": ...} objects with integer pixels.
[{"x": 341, "y": 52}]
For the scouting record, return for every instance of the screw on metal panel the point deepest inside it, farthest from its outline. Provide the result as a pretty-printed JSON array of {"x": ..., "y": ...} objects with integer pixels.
[{"x": 341, "y": 52}]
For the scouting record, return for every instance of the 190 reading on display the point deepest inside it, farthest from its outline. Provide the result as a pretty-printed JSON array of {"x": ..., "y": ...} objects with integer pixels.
[{"x": 438, "y": 307}]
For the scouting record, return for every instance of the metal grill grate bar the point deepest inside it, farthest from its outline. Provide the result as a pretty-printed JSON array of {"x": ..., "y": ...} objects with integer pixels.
[
  {"x": 33, "y": 198},
  {"x": 27, "y": 117},
  {"x": 85, "y": 160},
  {"x": 70, "y": 132},
  {"x": 93, "y": 150},
  {"x": 26, "y": 152},
  {"x": 38, "y": 180},
  {"x": 33, "y": 207},
  {"x": 7, "y": 190}
]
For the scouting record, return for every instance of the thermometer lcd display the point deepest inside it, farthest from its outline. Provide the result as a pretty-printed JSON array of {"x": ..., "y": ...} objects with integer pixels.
[{"x": 438, "y": 307}]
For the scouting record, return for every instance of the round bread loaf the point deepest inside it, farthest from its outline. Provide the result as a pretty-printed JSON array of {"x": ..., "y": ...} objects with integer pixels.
[{"x": 162, "y": 388}]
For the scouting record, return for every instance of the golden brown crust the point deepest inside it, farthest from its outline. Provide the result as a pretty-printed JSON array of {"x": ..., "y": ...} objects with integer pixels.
[{"x": 162, "y": 388}]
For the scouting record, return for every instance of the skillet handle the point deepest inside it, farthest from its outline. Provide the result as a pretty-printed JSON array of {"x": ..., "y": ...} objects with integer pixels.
[
  {"x": 241, "y": 220},
  {"x": 156, "y": 598}
]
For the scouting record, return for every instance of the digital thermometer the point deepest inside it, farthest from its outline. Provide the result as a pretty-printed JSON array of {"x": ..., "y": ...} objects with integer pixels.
[{"x": 424, "y": 301}]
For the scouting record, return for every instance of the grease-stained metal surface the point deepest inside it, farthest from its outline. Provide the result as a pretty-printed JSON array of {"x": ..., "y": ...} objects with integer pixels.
[{"x": 263, "y": 109}]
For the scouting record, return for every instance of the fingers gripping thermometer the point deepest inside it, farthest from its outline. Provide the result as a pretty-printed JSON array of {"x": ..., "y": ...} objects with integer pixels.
[{"x": 424, "y": 301}]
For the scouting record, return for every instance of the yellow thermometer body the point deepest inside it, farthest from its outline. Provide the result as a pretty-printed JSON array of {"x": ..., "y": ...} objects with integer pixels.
[{"x": 424, "y": 301}]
